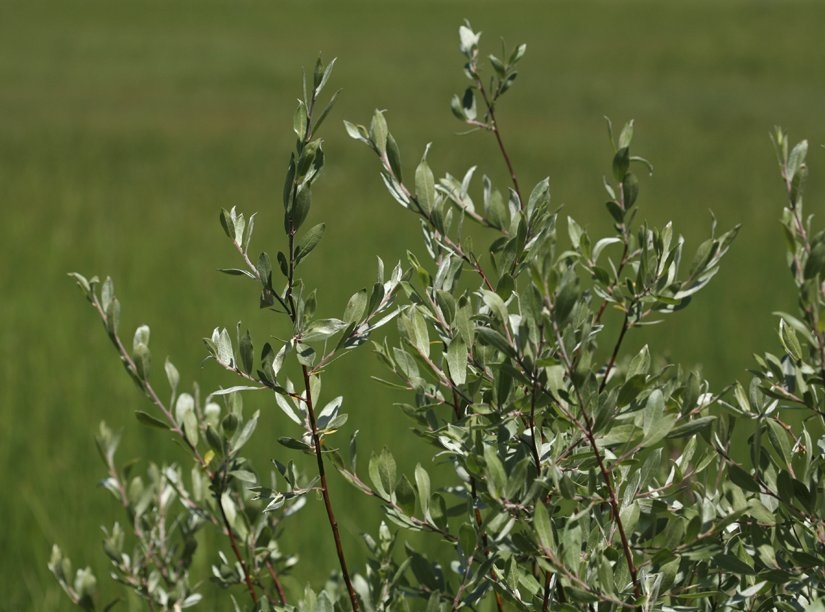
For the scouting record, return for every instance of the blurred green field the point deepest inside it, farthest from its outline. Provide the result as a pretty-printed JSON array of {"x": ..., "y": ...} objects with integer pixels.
[{"x": 124, "y": 127}]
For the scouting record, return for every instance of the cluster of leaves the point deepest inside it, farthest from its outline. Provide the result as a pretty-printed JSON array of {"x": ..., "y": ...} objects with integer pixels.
[
  {"x": 777, "y": 548},
  {"x": 566, "y": 473},
  {"x": 225, "y": 490}
]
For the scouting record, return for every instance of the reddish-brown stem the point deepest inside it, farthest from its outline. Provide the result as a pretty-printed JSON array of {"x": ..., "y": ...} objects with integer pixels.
[
  {"x": 615, "y": 354},
  {"x": 494, "y": 128},
  {"x": 150, "y": 392},
  {"x": 147, "y": 388},
  {"x": 476, "y": 511},
  {"x": 545, "y": 603},
  {"x": 614, "y": 506},
  {"x": 236, "y": 551},
  {"x": 333, "y": 522},
  {"x": 587, "y": 429},
  {"x": 274, "y": 575},
  {"x": 622, "y": 263}
]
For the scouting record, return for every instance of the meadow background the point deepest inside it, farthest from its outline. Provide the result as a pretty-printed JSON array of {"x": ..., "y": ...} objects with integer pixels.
[{"x": 124, "y": 127}]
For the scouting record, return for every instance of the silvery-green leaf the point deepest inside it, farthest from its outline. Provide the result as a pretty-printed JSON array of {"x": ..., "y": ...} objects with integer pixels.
[
  {"x": 457, "y": 360},
  {"x": 171, "y": 375},
  {"x": 378, "y": 131},
  {"x": 425, "y": 184},
  {"x": 321, "y": 329},
  {"x": 308, "y": 242}
]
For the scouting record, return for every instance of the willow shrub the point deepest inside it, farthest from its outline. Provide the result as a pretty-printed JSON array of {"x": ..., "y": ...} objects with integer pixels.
[{"x": 581, "y": 476}]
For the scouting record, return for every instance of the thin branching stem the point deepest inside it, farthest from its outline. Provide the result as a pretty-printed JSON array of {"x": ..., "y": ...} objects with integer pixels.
[
  {"x": 230, "y": 533},
  {"x": 493, "y": 127},
  {"x": 605, "y": 473},
  {"x": 150, "y": 392},
  {"x": 479, "y": 519},
  {"x": 276, "y": 581},
  {"x": 614, "y": 355},
  {"x": 333, "y": 522},
  {"x": 289, "y": 299},
  {"x": 455, "y": 247}
]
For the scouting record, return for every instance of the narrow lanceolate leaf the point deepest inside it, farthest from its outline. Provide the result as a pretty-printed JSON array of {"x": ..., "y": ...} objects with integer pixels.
[
  {"x": 394, "y": 157},
  {"x": 300, "y": 210},
  {"x": 357, "y": 132},
  {"x": 287, "y": 408},
  {"x": 236, "y": 272},
  {"x": 621, "y": 163},
  {"x": 691, "y": 427},
  {"x": 223, "y": 348},
  {"x": 382, "y": 473},
  {"x": 322, "y": 329},
  {"x": 422, "y": 484},
  {"x": 457, "y": 360},
  {"x": 468, "y": 104},
  {"x": 541, "y": 523},
  {"x": 143, "y": 359},
  {"x": 83, "y": 283},
  {"x": 657, "y": 425},
  {"x": 329, "y": 412},
  {"x": 246, "y": 349},
  {"x": 227, "y": 224},
  {"x": 242, "y": 437},
  {"x": 653, "y": 411},
  {"x": 229, "y": 509},
  {"x": 797, "y": 157},
  {"x": 420, "y": 339},
  {"x": 299, "y": 121},
  {"x": 496, "y": 305},
  {"x": 235, "y": 389},
  {"x": 190, "y": 428},
  {"x": 172, "y": 375},
  {"x": 494, "y": 339},
  {"x": 151, "y": 421},
  {"x": 107, "y": 292},
  {"x": 356, "y": 307},
  {"x": 630, "y": 189},
  {"x": 309, "y": 241},
  {"x": 378, "y": 131},
  {"x": 496, "y": 476},
  {"x": 425, "y": 185}
]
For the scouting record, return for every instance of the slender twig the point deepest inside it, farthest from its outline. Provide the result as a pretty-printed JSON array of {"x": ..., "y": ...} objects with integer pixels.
[
  {"x": 612, "y": 362},
  {"x": 493, "y": 126},
  {"x": 810, "y": 313},
  {"x": 289, "y": 300},
  {"x": 150, "y": 392},
  {"x": 423, "y": 525},
  {"x": 614, "y": 505},
  {"x": 545, "y": 600},
  {"x": 148, "y": 547},
  {"x": 622, "y": 262},
  {"x": 468, "y": 258},
  {"x": 608, "y": 481},
  {"x": 464, "y": 575},
  {"x": 562, "y": 569},
  {"x": 485, "y": 542},
  {"x": 230, "y": 533},
  {"x": 333, "y": 522},
  {"x": 147, "y": 388},
  {"x": 274, "y": 575}
]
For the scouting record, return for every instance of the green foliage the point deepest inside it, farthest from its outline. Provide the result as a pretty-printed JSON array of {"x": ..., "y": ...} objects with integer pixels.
[{"x": 566, "y": 472}]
